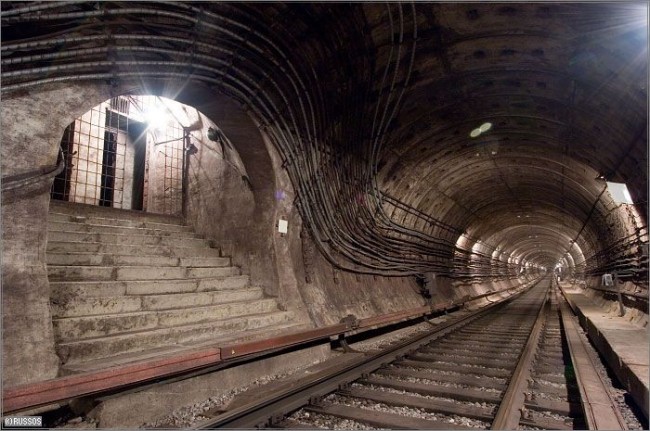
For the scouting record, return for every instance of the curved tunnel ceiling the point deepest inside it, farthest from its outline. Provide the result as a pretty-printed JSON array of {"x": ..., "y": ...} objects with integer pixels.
[{"x": 372, "y": 107}]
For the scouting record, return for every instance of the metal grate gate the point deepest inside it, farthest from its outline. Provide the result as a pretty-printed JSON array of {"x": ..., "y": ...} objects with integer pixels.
[{"x": 115, "y": 159}]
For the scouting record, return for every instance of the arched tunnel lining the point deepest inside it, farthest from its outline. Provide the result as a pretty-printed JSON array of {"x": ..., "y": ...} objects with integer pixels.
[
  {"x": 316, "y": 132},
  {"x": 357, "y": 250}
]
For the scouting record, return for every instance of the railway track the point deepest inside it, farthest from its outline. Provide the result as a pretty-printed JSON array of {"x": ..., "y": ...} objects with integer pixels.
[{"x": 506, "y": 367}]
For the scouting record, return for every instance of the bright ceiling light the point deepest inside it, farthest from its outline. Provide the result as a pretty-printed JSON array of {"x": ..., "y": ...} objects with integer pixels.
[
  {"x": 156, "y": 117},
  {"x": 481, "y": 129},
  {"x": 485, "y": 127}
]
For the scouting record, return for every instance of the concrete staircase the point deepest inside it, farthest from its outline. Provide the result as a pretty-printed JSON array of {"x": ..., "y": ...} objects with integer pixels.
[{"x": 128, "y": 285}]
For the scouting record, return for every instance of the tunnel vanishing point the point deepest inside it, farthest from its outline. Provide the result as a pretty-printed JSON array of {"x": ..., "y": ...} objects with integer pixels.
[{"x": 345, "y": 158}]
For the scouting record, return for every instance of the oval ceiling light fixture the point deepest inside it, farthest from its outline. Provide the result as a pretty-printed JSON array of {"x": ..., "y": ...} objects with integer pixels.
[{"x": 481, "y": 129}]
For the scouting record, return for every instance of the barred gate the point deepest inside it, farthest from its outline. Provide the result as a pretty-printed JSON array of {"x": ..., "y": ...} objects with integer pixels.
[{"x": 115, "y": 159}]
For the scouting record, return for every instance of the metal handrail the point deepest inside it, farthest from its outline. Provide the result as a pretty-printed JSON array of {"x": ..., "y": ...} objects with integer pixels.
[{"x": 12, "y": 182}]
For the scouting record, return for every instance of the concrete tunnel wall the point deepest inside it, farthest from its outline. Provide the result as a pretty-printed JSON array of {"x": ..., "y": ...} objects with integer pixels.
[{"x": 240, "y": 218}]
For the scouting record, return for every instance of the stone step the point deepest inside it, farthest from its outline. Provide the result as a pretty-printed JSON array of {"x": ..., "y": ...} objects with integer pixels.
[
  {"x": 183, "y": 347},
  {"x": 117, "y": 222},
  {"x": 75, "y": 328},
  {"x": 86, "y": 210},
  {"x": 125, "y": 249},
  {"x": 102, "y": 347},
  {"x": 118, "y": 230},
  {"x": 103, "y": 259},
  {"x": 126, "y": 239},
  {"x": 62, "y": 289},
  {"x": 181, "y": 300},
  {"x": 93, "y": 306},
  {"x": 98, "y": 273}
]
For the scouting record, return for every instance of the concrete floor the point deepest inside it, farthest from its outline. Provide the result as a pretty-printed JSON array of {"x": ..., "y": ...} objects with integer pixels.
[{"x": 622, "y": 343}]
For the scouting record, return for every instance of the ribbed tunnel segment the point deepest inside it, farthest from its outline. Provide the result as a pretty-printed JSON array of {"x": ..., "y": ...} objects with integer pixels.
[{"x": 372, "y": 108}]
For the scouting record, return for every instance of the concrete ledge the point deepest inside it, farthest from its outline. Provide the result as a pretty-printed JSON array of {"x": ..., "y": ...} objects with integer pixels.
[
  {"x": 138, "y": 273},
  {"x": 174, "y": 250},
  {"x": 131, "y": 410},
  {"x": 141, "y": 229},
  {"x": 79, "y": 306},
  {"x": 102, "y": 325},
  {"x": 98, "y": 259},
  {"x": 127, "y": 239},
  {"x": 102, "y": 347},
  {"x": 177, "y": 226},
  {"x": 76, "y": 210},
  {"x": 623, "y": 344},
  {"x": 65, "y": 289}
]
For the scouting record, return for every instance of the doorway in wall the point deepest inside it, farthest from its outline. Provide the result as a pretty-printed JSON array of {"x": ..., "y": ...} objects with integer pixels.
[{"x": 127, "y": 152}]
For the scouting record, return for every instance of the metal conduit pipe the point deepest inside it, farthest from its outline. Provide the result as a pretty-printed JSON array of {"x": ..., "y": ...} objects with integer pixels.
[
  {"x": 37, "y": 7},
  {"x": 621, "y": 248},
  {"x": 387, "y": 226},
  {"x": 372, "y": 269},
  {"x": 54, "y": 68},
  {"x": 397, "y": 104},
  {"x": 76, "y": 53},
  {"x": 109, "y": 63},
  {"x": 430, "y": 219},
  {"x": 626, "y": 250},
  {"x": 386, "y": 122},
  {"x": 375, "y": 130},
  {"x": 392, "y": 224},
  {"x": 260, "y": 50},
  {"x": 261, "y": 36},
  {"x": 394, "y": 240},
  {"x": 68, "y": 16}
]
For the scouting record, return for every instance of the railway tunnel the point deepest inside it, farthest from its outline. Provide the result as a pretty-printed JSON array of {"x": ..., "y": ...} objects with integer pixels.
[{"x": 185, "y": 181}]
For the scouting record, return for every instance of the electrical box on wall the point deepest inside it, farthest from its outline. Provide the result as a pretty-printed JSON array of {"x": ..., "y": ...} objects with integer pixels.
[{"x": 283, "y": 226}]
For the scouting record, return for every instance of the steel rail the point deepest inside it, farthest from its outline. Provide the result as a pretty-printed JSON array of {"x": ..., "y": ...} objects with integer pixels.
[
  {"x": 508, "y": 415},
  {"x": 272, "y": 408},
  {"x": 600, "y": 409}
]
